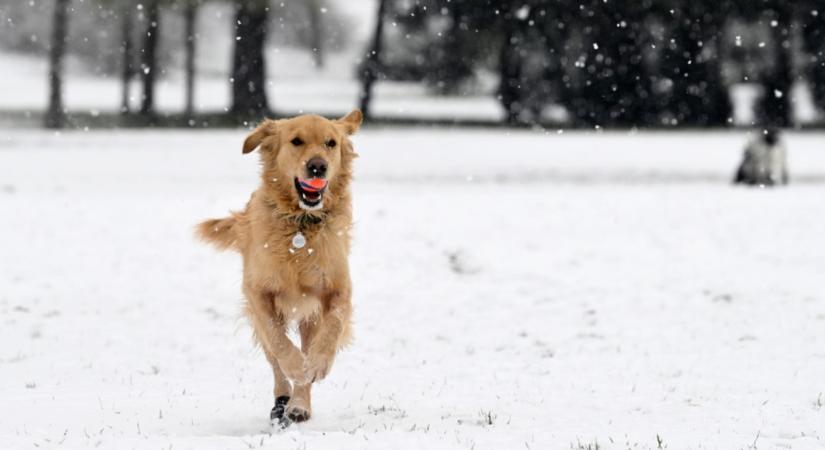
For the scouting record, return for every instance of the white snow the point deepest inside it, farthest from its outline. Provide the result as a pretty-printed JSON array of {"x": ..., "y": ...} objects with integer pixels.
[{"x": 570, "y": 289}]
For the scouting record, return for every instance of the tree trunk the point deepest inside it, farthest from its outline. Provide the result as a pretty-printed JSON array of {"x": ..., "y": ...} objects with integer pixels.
[
  {"x": 190, "y": 16},
  {"x": 149, "y": 61},
  {"x": 510, "y": 79},
  {"x": 449, "y": 59},
  {"x": 776, "y": 100},
  {"x": 370, "y": 73},
  {"x": 249, "y": 100},
  {"x": 715, "y": 99},
  {"x": 55, "y": 116},
  {"x": 316, "y": 32},
  {"x": 813, "y": 33},
  {"x": 127, "y": 69}
]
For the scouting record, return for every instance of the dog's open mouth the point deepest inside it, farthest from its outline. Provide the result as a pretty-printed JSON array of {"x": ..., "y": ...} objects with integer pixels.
[{"x": 310, "y": 192}]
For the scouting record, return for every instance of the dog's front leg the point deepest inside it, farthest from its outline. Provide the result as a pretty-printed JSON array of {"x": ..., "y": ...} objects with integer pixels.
[
  {"x": 299, "y": 407},
  {"x": 332, "y": 322},
  {"x": 270, "y": 330}
]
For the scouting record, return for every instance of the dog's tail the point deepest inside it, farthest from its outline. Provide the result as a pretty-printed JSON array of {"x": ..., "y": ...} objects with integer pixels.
[{"x": 222, "y": 233}]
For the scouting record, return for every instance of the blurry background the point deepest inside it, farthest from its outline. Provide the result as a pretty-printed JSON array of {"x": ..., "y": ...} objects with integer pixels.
[
  {"x": 547, "y": 249},
  {"x": 668, "y": 63}
]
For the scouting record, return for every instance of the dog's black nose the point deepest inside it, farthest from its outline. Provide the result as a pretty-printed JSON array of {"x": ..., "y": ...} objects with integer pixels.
[{"x": 317, "y": 167}]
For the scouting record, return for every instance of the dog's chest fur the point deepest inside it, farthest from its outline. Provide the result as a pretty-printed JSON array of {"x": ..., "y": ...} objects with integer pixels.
[{"x": 299, "y": 278}]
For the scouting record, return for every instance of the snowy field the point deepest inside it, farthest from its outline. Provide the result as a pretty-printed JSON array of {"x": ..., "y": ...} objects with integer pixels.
[{"x": 512, "y": 290}]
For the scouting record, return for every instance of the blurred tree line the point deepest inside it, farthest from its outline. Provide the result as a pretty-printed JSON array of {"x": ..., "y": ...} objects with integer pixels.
[
  {"x": 613, "y": 62},
  {"x": 123, "y": 38},
  {"x": 601, "y": 62}
]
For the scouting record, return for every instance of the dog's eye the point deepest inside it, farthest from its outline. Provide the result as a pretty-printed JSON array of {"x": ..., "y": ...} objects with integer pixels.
[
  {"x": 331, "y": 143},
  {"x": 297, "y": 142}
]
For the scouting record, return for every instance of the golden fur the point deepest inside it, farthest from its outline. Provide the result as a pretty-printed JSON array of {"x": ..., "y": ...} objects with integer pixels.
[{"x": 283, "y": 285}]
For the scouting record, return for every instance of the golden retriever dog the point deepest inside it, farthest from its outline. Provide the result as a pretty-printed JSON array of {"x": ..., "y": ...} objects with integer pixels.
[{"x": 294, "y": 237}]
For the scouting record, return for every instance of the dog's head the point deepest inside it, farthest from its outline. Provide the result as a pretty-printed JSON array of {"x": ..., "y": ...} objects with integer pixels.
[{"x": 307, "y": 160}]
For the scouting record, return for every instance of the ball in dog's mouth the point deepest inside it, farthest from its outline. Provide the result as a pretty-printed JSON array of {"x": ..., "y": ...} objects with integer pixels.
[{"x": 310, "y": 193}]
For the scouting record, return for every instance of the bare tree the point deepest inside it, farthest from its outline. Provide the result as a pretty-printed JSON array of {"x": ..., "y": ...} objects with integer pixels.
[
  {"x": 127, "y": 65},
  {"x": 813, "y": 34},
  {"x": 55, "y": 116},
  {"x": 316, "y": 32},
  {"x": 149, "y": 60},
  {"x": 370, "y": 69},
  {"x": 190, "y": 17},
  {"x": 249, "y": 98},
  {"x": 776, "y": 100},
  {"x": 510, "y": 80}
]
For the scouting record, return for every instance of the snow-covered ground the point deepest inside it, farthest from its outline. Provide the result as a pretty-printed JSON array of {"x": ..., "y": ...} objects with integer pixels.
[{"x": 512, "y": 290}]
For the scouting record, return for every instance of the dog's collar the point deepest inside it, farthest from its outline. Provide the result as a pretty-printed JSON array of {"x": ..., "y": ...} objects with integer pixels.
[
  {"x": 305, "y": 220},
  {"x": 301, "y": 220}
]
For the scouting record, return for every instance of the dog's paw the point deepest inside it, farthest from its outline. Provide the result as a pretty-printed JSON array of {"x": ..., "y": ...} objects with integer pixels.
[
  {"x": 277, "y": 412},
  {"x": 296, "y": 414},
  {"x": 293, "y": 414},
  {"x": 317, "y": 366}
]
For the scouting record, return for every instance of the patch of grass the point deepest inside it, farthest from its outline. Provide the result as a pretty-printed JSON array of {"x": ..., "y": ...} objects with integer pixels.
[
  {"x": 487, "y": 418},
  {"x": 660, "y": 443},
  {"x": 579, "y": 445},
  {"x": 391, "y": 411}
]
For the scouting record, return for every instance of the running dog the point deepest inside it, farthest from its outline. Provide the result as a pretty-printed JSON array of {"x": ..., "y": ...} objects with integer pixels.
[{"x": 294, "y": 238}]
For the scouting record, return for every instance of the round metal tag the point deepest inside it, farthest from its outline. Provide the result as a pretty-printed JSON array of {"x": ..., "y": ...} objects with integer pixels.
[{"x": 299, "y": 241}]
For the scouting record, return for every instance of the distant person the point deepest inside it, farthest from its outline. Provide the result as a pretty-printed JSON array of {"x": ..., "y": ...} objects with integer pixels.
[{"x": 765, "y": 162}]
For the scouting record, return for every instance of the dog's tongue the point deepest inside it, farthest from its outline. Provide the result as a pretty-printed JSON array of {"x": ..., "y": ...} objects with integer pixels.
[{"x": 313, "y": 184}]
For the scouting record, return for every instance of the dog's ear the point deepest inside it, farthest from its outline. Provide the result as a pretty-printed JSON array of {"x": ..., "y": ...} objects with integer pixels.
[
  {"x": 265, "y": 129},
  {"x": 352, "y": 121}
]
